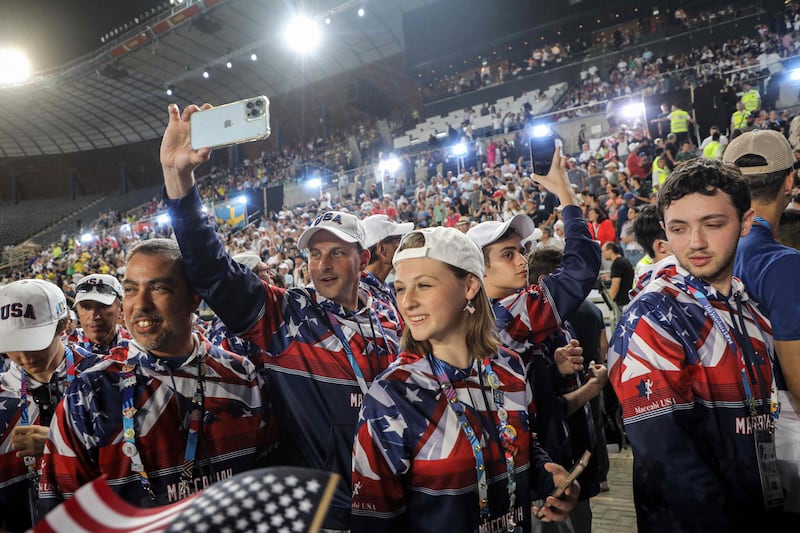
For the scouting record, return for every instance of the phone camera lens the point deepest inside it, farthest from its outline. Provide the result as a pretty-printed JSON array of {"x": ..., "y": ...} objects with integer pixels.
[
  {"x": 249, "y": 105},
  {"x": 259, "y": 103}
]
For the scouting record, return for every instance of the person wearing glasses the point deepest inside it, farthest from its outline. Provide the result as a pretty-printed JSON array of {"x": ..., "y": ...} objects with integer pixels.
[
  {"x": 165, "y": 416},
  {"x": 33, "y": 318},
  {"x": 98, "y": 300}
]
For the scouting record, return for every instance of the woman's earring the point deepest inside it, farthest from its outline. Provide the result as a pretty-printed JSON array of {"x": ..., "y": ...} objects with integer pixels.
[{"x": 469, "y": 308}]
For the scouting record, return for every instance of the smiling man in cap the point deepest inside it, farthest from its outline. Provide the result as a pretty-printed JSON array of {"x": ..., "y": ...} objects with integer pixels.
[
  {"x": 33, "y": 316},
  {"x": 98, "y": 300},
  {"x": 324, "y": 344}
]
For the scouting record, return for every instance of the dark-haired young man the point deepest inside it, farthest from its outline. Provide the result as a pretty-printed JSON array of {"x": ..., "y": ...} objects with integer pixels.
[
  {"x": 651, "y": 237},
  {"x": 690, "y": 362},
  {"x": 621, "y": 275},
  {"x": 769, "y": 271}
]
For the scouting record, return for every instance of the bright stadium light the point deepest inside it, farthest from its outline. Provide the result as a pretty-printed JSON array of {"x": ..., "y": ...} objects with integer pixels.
[
  {"x": 163, "y": 219},
  {"x": 541, "y": 130},
  {"x": 794, "y": 74},
  {"x": 302, "y": 34},
  {"x": 14, "y": 66},
  {"x": 361, "y": 12},
  {"x": 460, "y": 150},
  {"x": 389, "y": 166},
  {"x": 253, "y": 57},
  {"x": 242, "y": 199},
  {"x": 314, "y": 183},
  {"x": 87, "y": 237},
  {"x": 634, "y": 110}
]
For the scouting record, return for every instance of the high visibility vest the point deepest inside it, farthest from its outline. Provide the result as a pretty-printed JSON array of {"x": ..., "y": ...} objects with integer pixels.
[
  {"x": 660, "y": 175},
  {"x": 711, "y": 150},
  {"x": 750, "y": 100},
  {"x": 739, "y": 119},
  {"x": 679, "y": 121}
]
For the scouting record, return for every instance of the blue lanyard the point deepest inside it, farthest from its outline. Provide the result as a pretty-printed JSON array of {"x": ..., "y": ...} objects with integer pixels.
[
  {"x": 739, "y": 351},
  {"x": 506, "y": 432},
  {"x": 337, "y": 330}
]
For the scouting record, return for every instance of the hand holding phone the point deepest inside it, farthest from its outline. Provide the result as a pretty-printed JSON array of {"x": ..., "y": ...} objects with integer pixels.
[{"x": 577, "y": 470}]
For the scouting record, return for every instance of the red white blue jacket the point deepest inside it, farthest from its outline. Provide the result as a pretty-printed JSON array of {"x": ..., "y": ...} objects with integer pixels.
[
  {"x": 14, "y": 480},
  {"x": 312, "y": 387},
  {"x": 527, "y": 318},
  {"x": 413, "y": 467},
  {"x": 79, "y": 337},
  {"x": 683, "y": 405},
  {"x": 86, "y": 435}
]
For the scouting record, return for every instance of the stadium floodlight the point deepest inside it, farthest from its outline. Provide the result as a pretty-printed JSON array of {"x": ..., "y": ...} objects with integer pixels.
[
  {"x": 87, "y": 237},
  {"x": 206, "y": 75},
  {"x": 170, "y": 91},
  {"x": 163, "y": 219},
  {"x": 541, "y": 130},
  {"x": 794, "y": 74},
  {"x": 241, "y": 199},
  {"x": 14, "y": 66},
  {"x": 253, "y": 57},
  {"x": 314, "y": 183},
  {"x": 302, "y": 34},
  {"x": 229, "y": 64},
  {"x": 361, "y": 12},
  {"x": 460, "y": 150},
  {"x": 327, "y": 20},
  {"x": 389, "y": 166},
  {"x": 633, "y": 110}
]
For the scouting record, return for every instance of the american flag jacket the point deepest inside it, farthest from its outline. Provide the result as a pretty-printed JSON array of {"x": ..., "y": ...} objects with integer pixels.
[
  {"x": 313, "y": 390},
  {"x": 527, "y": 318},
  {"x": 683, "y": 405},
  {"x": 86, "y": 436},
  {"x": 79, "y": 337},
  {"x": 413, "y": 467},
  {"x": 14, "y": 479}
]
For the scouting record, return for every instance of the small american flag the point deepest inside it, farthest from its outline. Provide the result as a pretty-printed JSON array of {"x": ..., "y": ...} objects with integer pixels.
[{"x": 277, "y": 499}]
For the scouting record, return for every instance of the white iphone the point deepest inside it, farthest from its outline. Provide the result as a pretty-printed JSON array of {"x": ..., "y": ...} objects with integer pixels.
[{"x": 238, "y": 122}]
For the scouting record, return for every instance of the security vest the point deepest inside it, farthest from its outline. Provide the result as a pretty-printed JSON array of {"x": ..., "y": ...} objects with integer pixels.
[
  {"x": 750, "y": 100},
  {"x": 660, "y": 175},
  {"x": 679, "y": 121},
  {"x": 711, "y": 150},
  {"x": 739, "y": 119}
]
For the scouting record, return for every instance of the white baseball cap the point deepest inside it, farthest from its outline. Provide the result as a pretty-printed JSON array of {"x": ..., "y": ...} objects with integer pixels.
[
  {"x": 486, "y": 233},
  {"x": 248, "y": 260},
  {"x": 447, "y": 245},
  {"x": 102, "y": 288},
  {"x": 344, "y": 226},
  {"x": 29, "y": 312},
  {"x": 379, "y": 227}
]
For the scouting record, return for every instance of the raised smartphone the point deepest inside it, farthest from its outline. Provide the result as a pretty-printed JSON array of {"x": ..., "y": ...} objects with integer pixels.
[{"x": 238, "y": 122}]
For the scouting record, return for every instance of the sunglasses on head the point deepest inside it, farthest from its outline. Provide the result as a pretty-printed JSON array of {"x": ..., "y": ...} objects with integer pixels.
[{"x": 101, "y": 288}]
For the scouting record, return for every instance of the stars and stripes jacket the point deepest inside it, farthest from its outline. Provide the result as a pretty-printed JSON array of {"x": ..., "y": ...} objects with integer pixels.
[
  {"x": 79, "y": 337},
  {"x": 413, "y": 466},
  {"x": 86, "y": 435},
  {"x": 684, "y": 404},
  {"x": 14, "y": 478},
  {"x": 313, "y": 390},
  {"x": 526, "y": 318}
]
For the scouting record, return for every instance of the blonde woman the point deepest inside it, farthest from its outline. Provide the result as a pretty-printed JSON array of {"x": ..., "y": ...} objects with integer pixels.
[{"x": 444, "y": 440}]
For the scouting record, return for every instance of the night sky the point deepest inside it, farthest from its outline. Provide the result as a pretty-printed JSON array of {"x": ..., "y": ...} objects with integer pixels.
[{"x": 52, "y": 32}]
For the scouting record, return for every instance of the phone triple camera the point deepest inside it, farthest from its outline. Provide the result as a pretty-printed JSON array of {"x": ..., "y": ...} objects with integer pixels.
[{"x": 255, "y": 108}]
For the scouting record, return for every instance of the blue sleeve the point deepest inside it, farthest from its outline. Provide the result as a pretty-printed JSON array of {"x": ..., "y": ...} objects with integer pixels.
[
  {"x": 780, "y": 293},
  {"x": 232, "y": 291},
  {"x": 569, "y": 286}
]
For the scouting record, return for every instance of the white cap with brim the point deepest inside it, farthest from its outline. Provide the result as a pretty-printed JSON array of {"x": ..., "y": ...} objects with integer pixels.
[
  {"x": 102, "y": 288},
  {"x": 344, "y": 226},
  {"x": 447, "y": 245},
  {"x": 29, "y": 312},
  {"x": 486, "y": 233},
  {"x": 533, "y": 237},
  {"x": 248, "y": 260},
  {"x": 380, "y": 227}
]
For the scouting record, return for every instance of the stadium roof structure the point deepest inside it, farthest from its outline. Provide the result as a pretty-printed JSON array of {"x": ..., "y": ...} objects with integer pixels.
[{"x": 117, "y": 95}]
